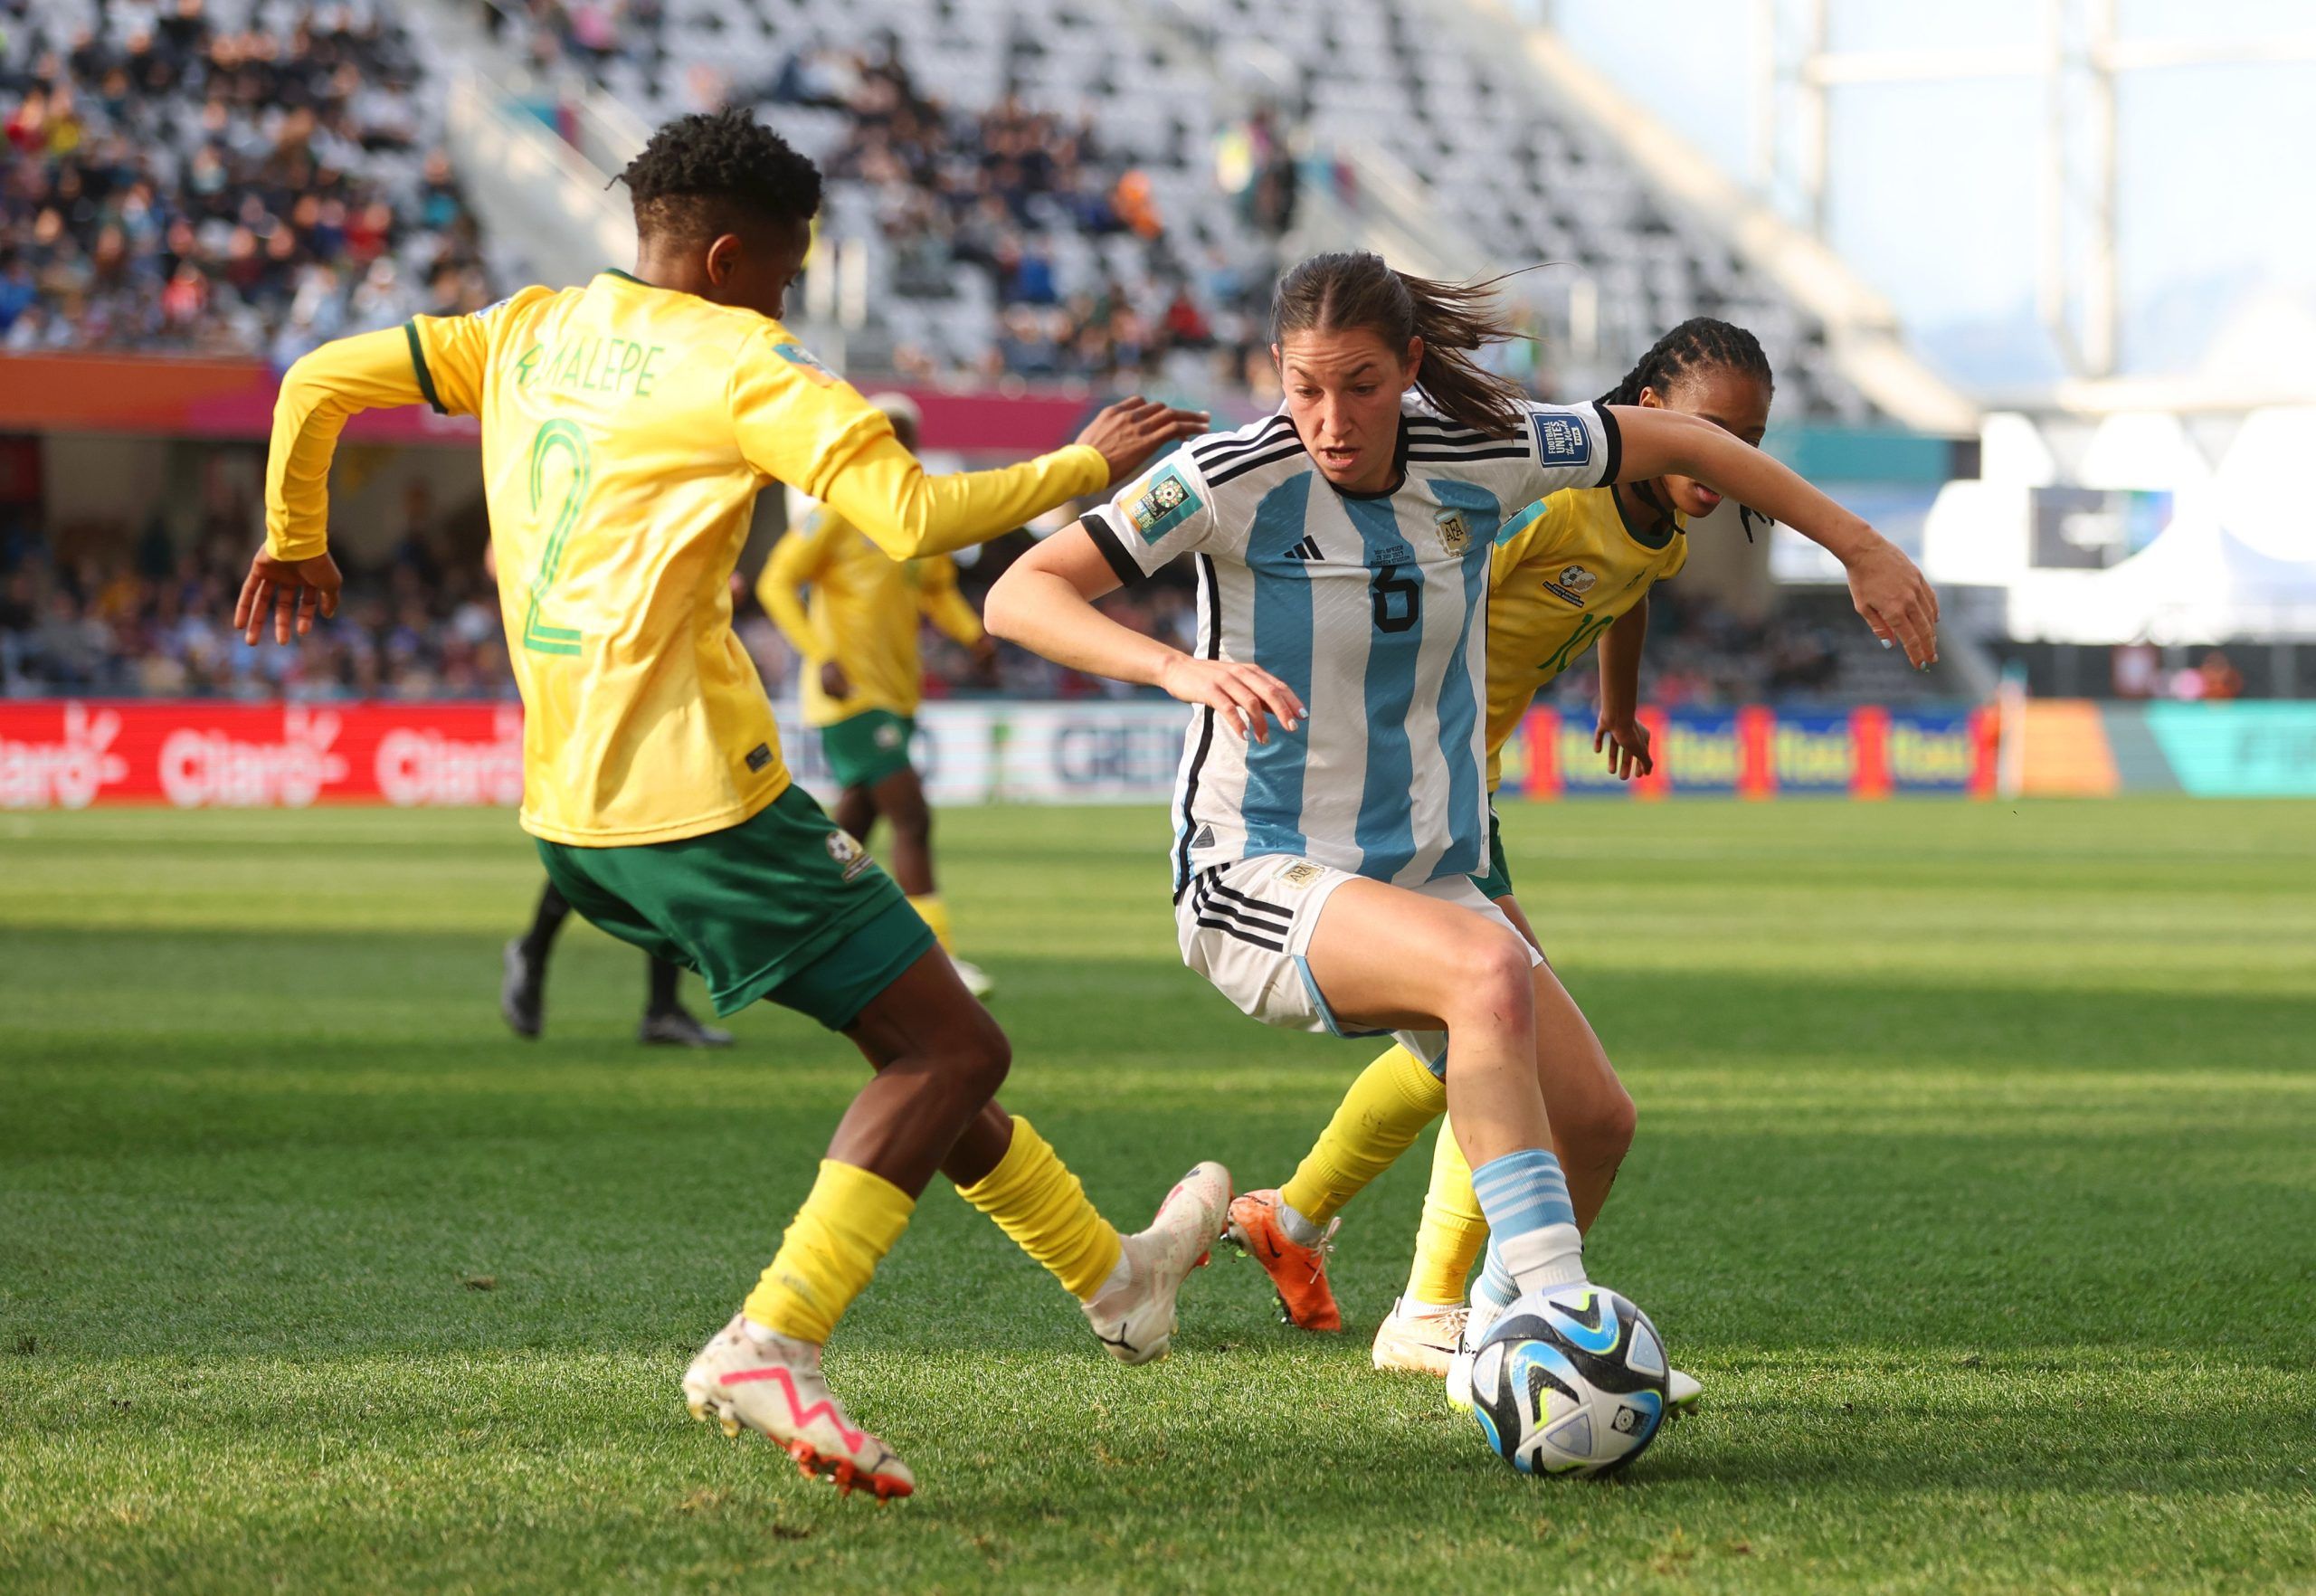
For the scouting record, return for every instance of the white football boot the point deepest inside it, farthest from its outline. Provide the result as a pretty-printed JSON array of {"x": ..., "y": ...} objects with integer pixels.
[
  {"x": 1134, "y": 1319},
  {"x": 748, "y": 1376},
  {"x": 1682, "y": 1392},
  {"x": 1476, "y": 1321},
  {"x": 977, "y": 980},
  {"x": 1420, "y": 1342}
]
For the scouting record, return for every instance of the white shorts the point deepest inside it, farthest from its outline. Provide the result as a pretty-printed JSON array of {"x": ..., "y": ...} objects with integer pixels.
[{"x": 1246, "y": 925}]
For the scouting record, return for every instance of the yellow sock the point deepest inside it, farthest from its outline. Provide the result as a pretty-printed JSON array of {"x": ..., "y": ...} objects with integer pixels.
[
  {"x": 1035, "y": 1200},
  {"x": 1454, "y": 1230},
  {"x": 1378, "y": 1120},
  {"x": 935, "y": 914},
  {"x": 833, "y": 1245}
]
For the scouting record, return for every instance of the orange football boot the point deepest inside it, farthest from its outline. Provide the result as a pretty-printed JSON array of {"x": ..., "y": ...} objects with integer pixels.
[{"x": 1298, "y": 1273}]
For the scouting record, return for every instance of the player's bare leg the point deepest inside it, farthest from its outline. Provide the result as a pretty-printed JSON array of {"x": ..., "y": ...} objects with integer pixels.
[
  {"x": 1388, "y": 959},
  {"x": 940, "y": 1059},
  {"x": 899, "y": 799},
  {"x": 856, "y": 812}
]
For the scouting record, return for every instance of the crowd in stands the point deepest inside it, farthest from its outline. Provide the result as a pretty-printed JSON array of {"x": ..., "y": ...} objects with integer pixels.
[
  {"x": 992, "y": 193},
  {"x": 226, "y": 189},
  {"x": 145, "y": 617},
  {"x": 113, "y": 616}
]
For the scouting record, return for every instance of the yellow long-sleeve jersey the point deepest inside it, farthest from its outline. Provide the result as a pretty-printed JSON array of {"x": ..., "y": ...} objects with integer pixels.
[
  {"x": 626, "y": 431},
  {"x": 1563, "y": 570},
  {"x": 839, "y": 596}
]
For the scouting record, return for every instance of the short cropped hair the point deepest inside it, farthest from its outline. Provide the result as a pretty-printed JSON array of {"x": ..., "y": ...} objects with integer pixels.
[{"x": 701, "y": 175}]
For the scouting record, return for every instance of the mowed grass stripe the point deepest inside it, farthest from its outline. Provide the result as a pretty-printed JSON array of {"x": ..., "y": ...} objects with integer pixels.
[{"x": 1974, "y": 1177}]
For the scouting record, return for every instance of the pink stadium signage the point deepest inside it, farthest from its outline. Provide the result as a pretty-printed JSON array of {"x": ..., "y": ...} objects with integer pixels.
[{"x": 72, "y": 753}]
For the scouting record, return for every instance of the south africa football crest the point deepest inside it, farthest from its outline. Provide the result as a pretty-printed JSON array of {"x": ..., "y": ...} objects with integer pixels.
[
  {"x": 849, "y": 854},
  {"x": 1571, "y": 585}
]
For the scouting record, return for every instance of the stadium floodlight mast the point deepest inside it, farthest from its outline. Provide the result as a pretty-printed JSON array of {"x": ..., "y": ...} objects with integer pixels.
[{"x": 2079, "y": 60}]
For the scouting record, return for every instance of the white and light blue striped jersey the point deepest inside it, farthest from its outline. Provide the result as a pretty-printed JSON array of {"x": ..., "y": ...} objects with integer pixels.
[{"x": 1373, "y": 608}]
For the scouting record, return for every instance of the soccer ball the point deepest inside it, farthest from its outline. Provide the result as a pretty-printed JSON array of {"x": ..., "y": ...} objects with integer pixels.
[{"x": 1569, "y": 1380}]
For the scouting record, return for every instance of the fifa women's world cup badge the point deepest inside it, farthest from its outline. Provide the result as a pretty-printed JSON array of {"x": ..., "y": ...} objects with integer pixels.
[{"x": 1165, "y": 504}]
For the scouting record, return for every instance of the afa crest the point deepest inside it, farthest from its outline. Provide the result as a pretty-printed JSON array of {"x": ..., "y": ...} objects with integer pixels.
[{"x": 1455, "y": 532}]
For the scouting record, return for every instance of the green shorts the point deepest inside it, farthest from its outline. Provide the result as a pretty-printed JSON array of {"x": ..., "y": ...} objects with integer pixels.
[
  {"x": 1496, "y": 881},
  {"x": 863, "y": 749},
  {"x": 783, "y": 906}
]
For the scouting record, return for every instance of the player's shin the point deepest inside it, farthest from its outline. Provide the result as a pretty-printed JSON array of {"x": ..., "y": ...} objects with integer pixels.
[
  {"x": 1454, "y": 1230},
  {"x": 1035, "y": 1200},
  {"x": 1532, "y": 1238},
  {"x": 1379, "y": 1118},
  {"x": 848, "y": 1222}
]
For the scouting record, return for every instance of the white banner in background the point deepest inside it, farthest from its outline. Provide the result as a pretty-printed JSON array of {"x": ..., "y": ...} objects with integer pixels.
[{"x": 1097, "y": 750}]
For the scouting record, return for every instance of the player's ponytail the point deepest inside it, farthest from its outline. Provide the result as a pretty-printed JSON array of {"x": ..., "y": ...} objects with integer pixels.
[{"x": 1336, "y": 292}]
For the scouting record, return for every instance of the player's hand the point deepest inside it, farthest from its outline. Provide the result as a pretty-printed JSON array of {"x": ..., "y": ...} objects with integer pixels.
[
  {"x": 834, "y": 682},
  {"x": 1896, "y": 601},
  {"x": 294, "y": 590},
  {"x": 1246, "y": 695},
  {"x": 1626, "y": 742},
  {"x": 1132, "y": 430}
]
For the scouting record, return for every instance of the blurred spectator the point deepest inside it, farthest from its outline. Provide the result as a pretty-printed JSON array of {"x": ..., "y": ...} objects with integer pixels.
[
  {"x": 2221, "y": 680},
  {"x": 173, "y": 182},
  {"x": 101, "y": 614}
]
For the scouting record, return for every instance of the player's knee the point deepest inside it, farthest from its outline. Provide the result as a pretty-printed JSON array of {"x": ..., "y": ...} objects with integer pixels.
[
  {"x": 1493, "y": 976},
  {"x": 983, "y": 1056},
  {"x": 1601, "y": 1131}
]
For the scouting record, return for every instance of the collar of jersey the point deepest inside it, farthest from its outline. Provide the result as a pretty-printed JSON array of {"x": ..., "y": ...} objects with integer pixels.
[
  {"x": 1399, "y": 468},
  {"x": 625, "y": 277},
  {"x": 1639, "y": 536}
]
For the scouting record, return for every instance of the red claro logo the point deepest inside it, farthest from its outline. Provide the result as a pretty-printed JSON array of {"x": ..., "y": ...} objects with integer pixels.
[
  {"x": 67, "y": 775},
  {"x": 204, "y": 768},
  {"x": 422, "y": 766}
]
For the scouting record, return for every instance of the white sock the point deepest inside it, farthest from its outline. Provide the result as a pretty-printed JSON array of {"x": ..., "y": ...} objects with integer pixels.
[
  {"x": 1416, "y": 1308},
  {"x": 1299, "y": 1230},
  {"x": 1120, "y": 1273},
  {"x": 1551, "y": 1255}
]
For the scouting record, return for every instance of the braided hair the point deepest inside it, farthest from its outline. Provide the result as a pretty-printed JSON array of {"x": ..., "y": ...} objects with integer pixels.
[{"x": 1698, "y": 345}]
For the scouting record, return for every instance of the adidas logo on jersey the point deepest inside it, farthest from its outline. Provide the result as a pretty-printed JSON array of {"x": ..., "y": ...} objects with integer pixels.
[
  {"x": 1205, "y": 838},
  {"x": 1308, "y": 549}
]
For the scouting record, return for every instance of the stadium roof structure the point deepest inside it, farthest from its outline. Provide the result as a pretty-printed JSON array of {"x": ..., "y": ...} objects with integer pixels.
[{"x": 2198, "y": 582}]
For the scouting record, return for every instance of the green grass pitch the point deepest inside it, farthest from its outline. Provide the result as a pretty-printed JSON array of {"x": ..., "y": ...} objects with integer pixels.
[{"x": 1977, "y": 1178}]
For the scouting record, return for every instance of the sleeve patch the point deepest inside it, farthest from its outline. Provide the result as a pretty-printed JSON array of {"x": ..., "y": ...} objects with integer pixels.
[
  {"x": 1164, "y": 503},
  {"x": 806, "y": 361},
  {"x": 1561, "y": 440}
]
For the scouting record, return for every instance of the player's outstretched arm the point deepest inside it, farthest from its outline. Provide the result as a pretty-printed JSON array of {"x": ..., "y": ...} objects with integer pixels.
[
  {"x": 880, "y": 487},
  {"x": 1044, "y": 602},
  {"x": 1888, "y": 591},
  {"x": 1619, "y": 733}
]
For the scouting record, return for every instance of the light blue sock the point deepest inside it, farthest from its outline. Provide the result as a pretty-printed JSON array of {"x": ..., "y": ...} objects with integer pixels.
[{"x": 1532, "y": 1238}]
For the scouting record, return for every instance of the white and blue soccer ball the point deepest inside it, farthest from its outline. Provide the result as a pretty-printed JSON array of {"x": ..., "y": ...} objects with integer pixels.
[{"x": 1569, "y": 1380}]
